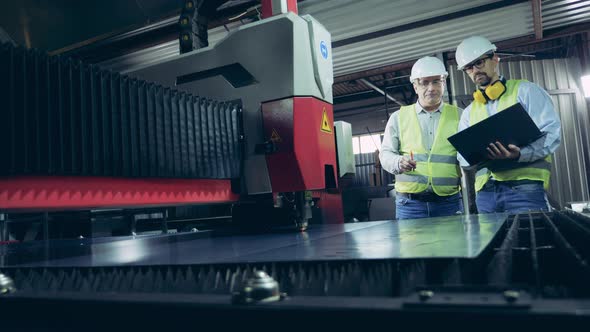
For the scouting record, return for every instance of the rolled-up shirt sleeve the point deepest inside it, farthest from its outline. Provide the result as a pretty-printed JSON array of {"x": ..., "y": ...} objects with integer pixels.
[
  {"x": 389, "y": 154},
  {"x": 540, "y": 107}
]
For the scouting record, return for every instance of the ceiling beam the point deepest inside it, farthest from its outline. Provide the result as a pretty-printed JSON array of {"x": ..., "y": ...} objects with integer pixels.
[
  {"x": 406, "y": 98},
  {"x": 374, "y": 72},
  {"x": 425, "y": 22},
  {"x": 576, "y": 29},
  {"x": 537, "y": 18},
  {"x": 548, "y": 35},
  {"x": 366, "y": 111},
  {"x": 359, "y": 107},
  {"x": 124, "y": 41},
  {"x": 340, "y": 105},
  {"x": 374, "y": 87}
]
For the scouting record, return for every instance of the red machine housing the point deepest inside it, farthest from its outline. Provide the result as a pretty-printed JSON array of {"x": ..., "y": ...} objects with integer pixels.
[
  {"x": 301, "y": 129},
  {"x": 70, "y": 192}
]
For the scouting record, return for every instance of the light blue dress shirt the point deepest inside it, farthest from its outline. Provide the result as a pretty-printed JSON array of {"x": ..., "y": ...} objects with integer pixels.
[{"x": 539, "y": 105}]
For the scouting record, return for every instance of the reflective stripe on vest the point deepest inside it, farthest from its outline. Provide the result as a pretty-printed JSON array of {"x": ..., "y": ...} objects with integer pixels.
[
  {"x": 437, "y": 168},
  {"x": 539, "y": 170},
  {"x": 424, "y": 179}
]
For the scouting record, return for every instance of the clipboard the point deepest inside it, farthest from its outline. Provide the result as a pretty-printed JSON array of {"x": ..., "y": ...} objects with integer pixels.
[{"x": 510, "y": 126}]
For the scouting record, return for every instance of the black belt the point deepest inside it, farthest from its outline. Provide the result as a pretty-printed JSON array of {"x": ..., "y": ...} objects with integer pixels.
[
  {"x": 424, "y": 196},
  {"x": 490, "y": 185}
]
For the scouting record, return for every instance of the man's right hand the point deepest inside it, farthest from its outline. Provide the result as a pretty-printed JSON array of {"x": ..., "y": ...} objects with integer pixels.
[{"x": 406, "y": 164}]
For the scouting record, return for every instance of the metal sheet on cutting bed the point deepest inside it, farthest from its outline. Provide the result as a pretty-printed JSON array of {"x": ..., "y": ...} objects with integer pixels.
[{"x": 457, "y": 236}]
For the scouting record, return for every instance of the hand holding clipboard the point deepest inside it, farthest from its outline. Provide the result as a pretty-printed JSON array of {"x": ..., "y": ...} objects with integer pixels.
[
  {"x": 497, "y": 151},
  {"x": 512, "y": 126}
]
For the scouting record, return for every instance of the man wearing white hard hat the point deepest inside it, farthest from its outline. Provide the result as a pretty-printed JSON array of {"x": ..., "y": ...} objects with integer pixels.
[
  {"x": 416, "y": 150},
  {"x": 516, "y": 177}
]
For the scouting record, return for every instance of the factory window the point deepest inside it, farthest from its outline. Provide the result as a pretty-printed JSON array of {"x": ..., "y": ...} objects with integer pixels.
[
  {"x": 366, "y": 143},
  {"x": 586, "y": 85}
]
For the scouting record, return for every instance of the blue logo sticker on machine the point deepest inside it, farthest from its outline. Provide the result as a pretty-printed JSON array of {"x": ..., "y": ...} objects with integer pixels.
[{"x": 324, "y": 49}]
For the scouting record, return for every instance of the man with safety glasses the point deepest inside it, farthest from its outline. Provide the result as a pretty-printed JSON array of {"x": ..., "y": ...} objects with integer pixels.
[
  {"x": 416, "y": 149},
  {"x": 516, "y": 177}
]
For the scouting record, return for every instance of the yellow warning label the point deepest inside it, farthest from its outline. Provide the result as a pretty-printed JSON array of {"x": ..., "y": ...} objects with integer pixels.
[
  {"x": 326, "y": 127},
  {"x": 275, "y": 136}
]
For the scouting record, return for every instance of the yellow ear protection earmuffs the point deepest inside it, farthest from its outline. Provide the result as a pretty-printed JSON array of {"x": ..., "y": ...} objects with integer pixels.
[{"x": 492, "y": 92}]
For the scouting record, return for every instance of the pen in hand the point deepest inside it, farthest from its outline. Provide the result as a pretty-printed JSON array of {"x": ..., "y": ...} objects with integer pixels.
[{"x": 407, "y": 165}]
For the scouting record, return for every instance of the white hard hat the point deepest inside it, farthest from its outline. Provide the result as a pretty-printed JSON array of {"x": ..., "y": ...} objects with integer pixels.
[
  {"x": 426, "y": 67},
  {"x": 472, "y": 48}
]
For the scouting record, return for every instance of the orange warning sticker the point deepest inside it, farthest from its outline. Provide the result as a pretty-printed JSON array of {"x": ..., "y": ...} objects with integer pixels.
[
  {"x": 326, "y": 123},
  {"x": 275, "y": 136}
]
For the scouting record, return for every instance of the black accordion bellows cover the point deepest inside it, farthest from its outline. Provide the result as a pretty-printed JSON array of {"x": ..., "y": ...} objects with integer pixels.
[{"x": 62, "y": 117}]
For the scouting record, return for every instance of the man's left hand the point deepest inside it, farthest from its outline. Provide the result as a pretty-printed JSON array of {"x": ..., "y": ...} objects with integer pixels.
[{"x": 497, "y": 151}]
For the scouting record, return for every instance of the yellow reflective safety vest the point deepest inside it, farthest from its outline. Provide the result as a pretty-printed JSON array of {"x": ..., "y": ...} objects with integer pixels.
[
  {"x": 437, "y": 168},
  {"x": 539, "y": 170}
]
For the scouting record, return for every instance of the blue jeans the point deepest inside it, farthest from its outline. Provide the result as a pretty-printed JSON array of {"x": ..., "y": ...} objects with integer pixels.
[
  {"x": 406, "y": 208},
  {"x": 512, "y": 197}
]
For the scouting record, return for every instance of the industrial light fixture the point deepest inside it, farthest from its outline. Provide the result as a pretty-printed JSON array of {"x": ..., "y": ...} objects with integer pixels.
[{"x": 586, "y": 85}]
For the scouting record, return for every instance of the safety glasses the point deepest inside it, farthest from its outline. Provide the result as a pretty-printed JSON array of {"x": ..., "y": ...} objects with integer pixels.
[{"x": 479, "y": 63}]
